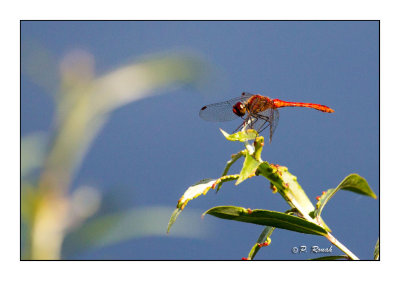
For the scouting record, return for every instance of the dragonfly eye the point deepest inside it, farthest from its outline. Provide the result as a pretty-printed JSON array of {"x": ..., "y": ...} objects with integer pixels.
[{"x": 239, "y": 109}]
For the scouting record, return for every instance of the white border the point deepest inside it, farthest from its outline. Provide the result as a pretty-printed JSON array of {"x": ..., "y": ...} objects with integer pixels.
[{"x": 318, "y": 10}]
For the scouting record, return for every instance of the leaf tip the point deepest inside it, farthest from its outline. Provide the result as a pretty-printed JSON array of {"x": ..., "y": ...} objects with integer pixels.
[{"x": 226, "y": 135}]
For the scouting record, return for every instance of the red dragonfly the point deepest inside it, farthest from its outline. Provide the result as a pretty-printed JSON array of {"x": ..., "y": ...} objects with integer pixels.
[{"x": 258, "y": 112}]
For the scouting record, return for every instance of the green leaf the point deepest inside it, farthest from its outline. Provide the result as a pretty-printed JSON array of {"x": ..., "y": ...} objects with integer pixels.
[
  {"x": 226, "y": 178},
  {"x": 199, "y": 188},
  {"x": 234, "y": 158},
  {"x": 268, "y": 218},
  {"x": 376, "y": 250},
  {"x": 249, "y": 168},
  {"x": 357, "y": 184},
  {"x": 173, "y": 218},
  {"x": 288, "y": 187},
  {"x": 353, "y": 182},
  {"x": 241, "y": 136},
  {"x": 258, "y": 146},
  {"x": 264, "y": 237},
  {"x": 192, "y": 192},
  {"x": 331, "y": 258}
]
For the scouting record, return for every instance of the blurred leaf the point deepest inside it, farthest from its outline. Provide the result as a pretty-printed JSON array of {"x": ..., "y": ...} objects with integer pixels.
[
  {"x": 130, "y": 224},
  {"x": 39, "y": 65},
  {"x": 249, "y": 168},
  {"x": 85, "y": 102},
  {"x": 83, "y": 105},
  {"x": 376, "y": 250},
  {"x": 264, "y": 237},
  {"x": 155, "y": 73},
  {"x": 30, "y": 196},
  {"x": 241, "y": 136},
  {"x": 353, "y": 182},
  {"x": 33, "y": 151},
  {"x": 268, "y": 218},
  {"x": 331, "y": 258}
]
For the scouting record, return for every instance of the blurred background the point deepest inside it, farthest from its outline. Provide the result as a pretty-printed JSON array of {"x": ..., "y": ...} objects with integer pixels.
[{"x": 111, "y": 137}]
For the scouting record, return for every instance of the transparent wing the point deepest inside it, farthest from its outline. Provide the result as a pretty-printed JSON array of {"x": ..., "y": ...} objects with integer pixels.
[
  {"x": 262, "y": 120},
  {"x": 222, "y": 111},
  {"x": 274, "y": 123}
]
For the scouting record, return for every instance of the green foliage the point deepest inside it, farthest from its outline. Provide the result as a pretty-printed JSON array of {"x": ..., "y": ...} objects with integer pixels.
[
  {"x": 194, "y": 191},
  {"x": 263, "y": 240},
  {"x": 303, "y": 217},
  {"x": 249, "y": 168},
  {"x": 241, "y": 136},
  {"x": 357, "y": 184},
  {"x": 267, "y": 218},
  {"x": 234, "y": 158},
  {"x": 353, "y": 182}
]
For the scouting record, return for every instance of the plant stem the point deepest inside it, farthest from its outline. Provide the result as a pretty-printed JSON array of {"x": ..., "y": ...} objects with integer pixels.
[{"x": 342, "y": 247}]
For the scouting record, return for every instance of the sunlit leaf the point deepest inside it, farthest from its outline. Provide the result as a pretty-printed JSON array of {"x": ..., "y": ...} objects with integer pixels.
[
  {"x": 194, "y": 191},
  {"x": 234, "y": 158},
  {"x": 173, "y": 218},
  {"x": 268, "y": 218},
  {"x": 286, "y": 184},
  {"x": 357, "y": 184},
  {"x": 241, "y": 136},
  {"x": 353, "y": 182},
  {"x": 258, "y": 146},
  {"x": 249, "y": 168}
]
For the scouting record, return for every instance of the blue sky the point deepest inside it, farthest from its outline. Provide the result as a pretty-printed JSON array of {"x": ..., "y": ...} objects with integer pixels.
[{"x": 332, "y": 63}]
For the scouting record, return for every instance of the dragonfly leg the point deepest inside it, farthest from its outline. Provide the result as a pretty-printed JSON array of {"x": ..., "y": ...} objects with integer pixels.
[
  {"x": 242, "y": 124},
  {"x": 266, "y": 120},
  {"x": 253, "y": 121}
]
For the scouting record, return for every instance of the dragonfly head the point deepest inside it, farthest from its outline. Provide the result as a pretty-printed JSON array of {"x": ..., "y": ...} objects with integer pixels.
[{"x": 239, "y": 109}]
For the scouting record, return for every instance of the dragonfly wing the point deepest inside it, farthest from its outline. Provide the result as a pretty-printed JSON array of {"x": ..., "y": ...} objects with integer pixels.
[
  {"x": 268, "y": 118},
  {"x": 274, "y": 122},
  {"x": 260, "y": 124},
  {"x": 221, "y": 111}
]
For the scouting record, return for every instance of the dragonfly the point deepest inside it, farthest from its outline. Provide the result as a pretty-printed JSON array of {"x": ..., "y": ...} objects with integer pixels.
[{"x": 258, "y": 112}]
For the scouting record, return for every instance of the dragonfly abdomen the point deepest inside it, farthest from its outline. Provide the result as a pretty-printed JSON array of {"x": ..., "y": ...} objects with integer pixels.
[{"x": 280, "y": 103}]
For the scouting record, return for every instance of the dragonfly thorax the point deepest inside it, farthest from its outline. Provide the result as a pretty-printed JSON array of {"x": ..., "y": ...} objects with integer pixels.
[{"x": 239, "y": 109}]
